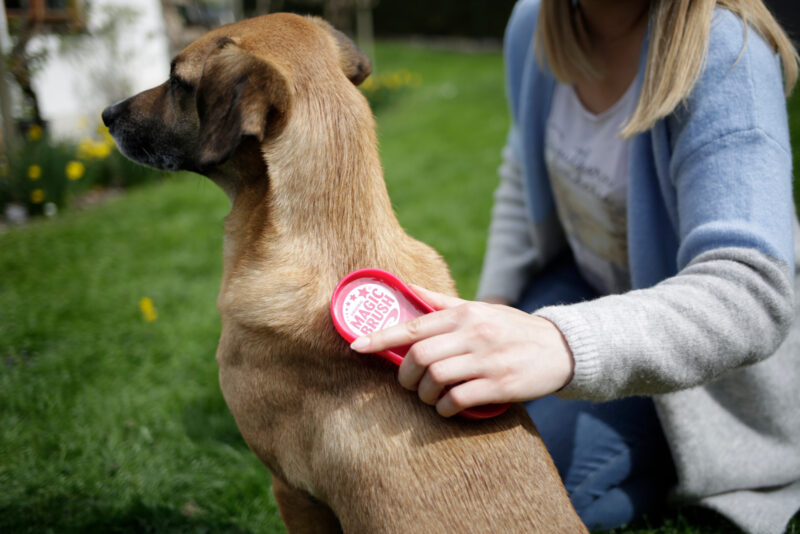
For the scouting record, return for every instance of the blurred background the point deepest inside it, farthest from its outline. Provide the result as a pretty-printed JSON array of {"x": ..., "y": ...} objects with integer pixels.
[
  {"x": 67, "y": 59},
  {"x": 111, "y": 419}
]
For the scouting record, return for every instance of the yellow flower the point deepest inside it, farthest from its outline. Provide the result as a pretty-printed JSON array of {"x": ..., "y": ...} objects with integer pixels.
[
  {"x": 106, "y": 135},
  {"x": 34, "y": 172},
  {"x": 91, "y": 149},
  {"x": 85, "y": 148},
  {"x": 35, "y": 132},
  {"x": 102, "y": 150},
  {"x": 395, "y": 81},
  {"x": 413, "y": 79},
  {"x": 37, "y": 196},
  {"x": 75, "y": 170},
  {"x": 149, "y": 313}
]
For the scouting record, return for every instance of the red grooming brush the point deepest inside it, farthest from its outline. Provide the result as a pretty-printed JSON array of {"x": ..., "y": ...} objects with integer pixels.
[{"x": 371, "y": 299}]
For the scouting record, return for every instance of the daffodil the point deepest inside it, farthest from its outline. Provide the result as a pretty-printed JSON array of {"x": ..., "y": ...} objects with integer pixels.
[
  {"x": 35, "y": 132},
  {"x": 34, "y": 172},
  {"x": 106, "y": 135},
  {"x": 91, "y": 149},
  {"x": 37, "y": 196},
  {"x": 102, "y": 150},
  {"x": 85, "y": 148},
  {"x": 75, "y": 170},
  {"x": 148, "y": 309},
  {"x": 412, "y": 79}
]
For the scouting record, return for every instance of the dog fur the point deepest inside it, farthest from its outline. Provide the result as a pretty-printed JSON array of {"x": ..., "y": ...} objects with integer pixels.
[{"x": 268, "y": 109}]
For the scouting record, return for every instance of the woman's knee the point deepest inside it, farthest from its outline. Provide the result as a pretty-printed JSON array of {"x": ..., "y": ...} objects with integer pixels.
[{"x": 612, "y": 457}]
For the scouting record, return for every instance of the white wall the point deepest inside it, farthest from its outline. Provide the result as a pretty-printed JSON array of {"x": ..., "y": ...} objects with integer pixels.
[{"x": 74, "y": 87}]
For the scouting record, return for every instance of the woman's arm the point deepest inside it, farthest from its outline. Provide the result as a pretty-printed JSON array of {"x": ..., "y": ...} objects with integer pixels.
[
  {"x": 510, "y": 255},
  {"x": 729, "y": 307}
]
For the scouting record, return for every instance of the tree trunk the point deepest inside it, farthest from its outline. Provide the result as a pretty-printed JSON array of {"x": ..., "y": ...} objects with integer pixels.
[
  {"x": 19, "y": 63},
  {"x": 9, "y": 136}
]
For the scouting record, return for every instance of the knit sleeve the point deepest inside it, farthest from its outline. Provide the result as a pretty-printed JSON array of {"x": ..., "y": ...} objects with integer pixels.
[
  {"x": 728, "y": 308},
  {"x": 510, "y": 254}
]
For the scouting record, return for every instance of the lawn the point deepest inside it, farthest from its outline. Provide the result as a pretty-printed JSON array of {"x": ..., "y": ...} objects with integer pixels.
[{"x": 111, "y": 419}]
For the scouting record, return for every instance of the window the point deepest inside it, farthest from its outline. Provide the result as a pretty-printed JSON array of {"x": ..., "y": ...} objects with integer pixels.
[{"x": 47, "y": 11}]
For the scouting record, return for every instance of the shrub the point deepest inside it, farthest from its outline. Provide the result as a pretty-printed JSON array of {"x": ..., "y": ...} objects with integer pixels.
[
  {"x": 381, "y": 88},
  {"x": 43, "y": 175}
]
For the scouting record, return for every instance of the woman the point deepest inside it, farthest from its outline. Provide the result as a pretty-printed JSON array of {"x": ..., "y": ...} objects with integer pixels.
[{"x": 645, "y": 218}]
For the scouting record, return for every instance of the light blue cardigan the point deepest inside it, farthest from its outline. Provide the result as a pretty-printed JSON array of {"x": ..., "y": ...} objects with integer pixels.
[{"x": 709, "y": 329}]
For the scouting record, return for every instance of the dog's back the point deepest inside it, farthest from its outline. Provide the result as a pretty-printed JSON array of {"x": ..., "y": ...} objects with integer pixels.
[{"x": 347, "y": 442}]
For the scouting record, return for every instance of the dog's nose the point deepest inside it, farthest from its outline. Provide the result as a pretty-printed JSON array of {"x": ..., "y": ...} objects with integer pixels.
[{"x": 111, "y": 113}]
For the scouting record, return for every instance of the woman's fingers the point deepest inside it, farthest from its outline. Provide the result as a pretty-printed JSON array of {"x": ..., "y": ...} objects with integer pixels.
[
  {"x": 436, "y": 300},
  {"x": 429, "y": 351},
  {"x": 471, "y": 393},
  {"x": 406, "y": 333},
  {"x": 443, "y": 373},
  {"x": 412, "y": 331},
  {"x": 469, "y": 354}
]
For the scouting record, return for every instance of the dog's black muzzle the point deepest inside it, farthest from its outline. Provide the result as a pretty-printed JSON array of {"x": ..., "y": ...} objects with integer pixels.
[{"x": 112, "y": 113}]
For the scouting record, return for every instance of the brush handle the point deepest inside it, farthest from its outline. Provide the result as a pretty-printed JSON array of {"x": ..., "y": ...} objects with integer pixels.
[{"x": 368, "y": 300}]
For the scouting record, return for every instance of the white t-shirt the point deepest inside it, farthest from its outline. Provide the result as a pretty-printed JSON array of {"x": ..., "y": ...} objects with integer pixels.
[{"x": 587, "y": 163}]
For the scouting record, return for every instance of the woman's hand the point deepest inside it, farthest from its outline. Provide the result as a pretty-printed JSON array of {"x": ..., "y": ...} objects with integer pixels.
[{"x": 488, "y": 353}]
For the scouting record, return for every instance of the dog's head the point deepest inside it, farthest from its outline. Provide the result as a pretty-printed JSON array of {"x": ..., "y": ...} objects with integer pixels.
[{"x": 237, "y": 82}]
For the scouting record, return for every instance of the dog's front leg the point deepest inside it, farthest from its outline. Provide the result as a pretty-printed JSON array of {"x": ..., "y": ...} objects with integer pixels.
[{"x": 302, "y": 513}]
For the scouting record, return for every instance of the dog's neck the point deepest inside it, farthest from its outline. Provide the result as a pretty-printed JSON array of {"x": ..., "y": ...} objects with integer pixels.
[{"x": 325, "y": 187}]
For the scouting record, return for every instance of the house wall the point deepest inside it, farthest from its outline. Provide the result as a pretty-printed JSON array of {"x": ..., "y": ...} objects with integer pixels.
[{"x": 76, "y": 84}]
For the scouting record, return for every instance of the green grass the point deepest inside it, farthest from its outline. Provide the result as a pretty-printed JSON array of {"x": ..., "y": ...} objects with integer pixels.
[
  {"x": 440, "y": 145},
  {"x": 109, "y": 423}
]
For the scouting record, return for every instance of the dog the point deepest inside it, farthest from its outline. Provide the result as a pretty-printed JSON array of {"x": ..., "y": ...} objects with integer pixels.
[{"x": 268, "y": 109}]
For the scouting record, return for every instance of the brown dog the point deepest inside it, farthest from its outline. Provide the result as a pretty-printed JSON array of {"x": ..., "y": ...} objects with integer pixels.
[{"x": 267, "y": 108}]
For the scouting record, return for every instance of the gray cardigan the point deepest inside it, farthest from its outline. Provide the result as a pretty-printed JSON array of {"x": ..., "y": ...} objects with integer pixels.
[{"x": 710, "y": 329}]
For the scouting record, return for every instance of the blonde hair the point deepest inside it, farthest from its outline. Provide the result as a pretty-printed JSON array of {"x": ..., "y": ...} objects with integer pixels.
[{"x": 678, "y": 46}]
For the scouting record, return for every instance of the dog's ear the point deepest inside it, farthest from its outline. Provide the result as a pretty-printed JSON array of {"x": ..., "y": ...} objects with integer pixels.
[
  {"x": 354, "y": 62},
  {"x": 238, "y": 95}
]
